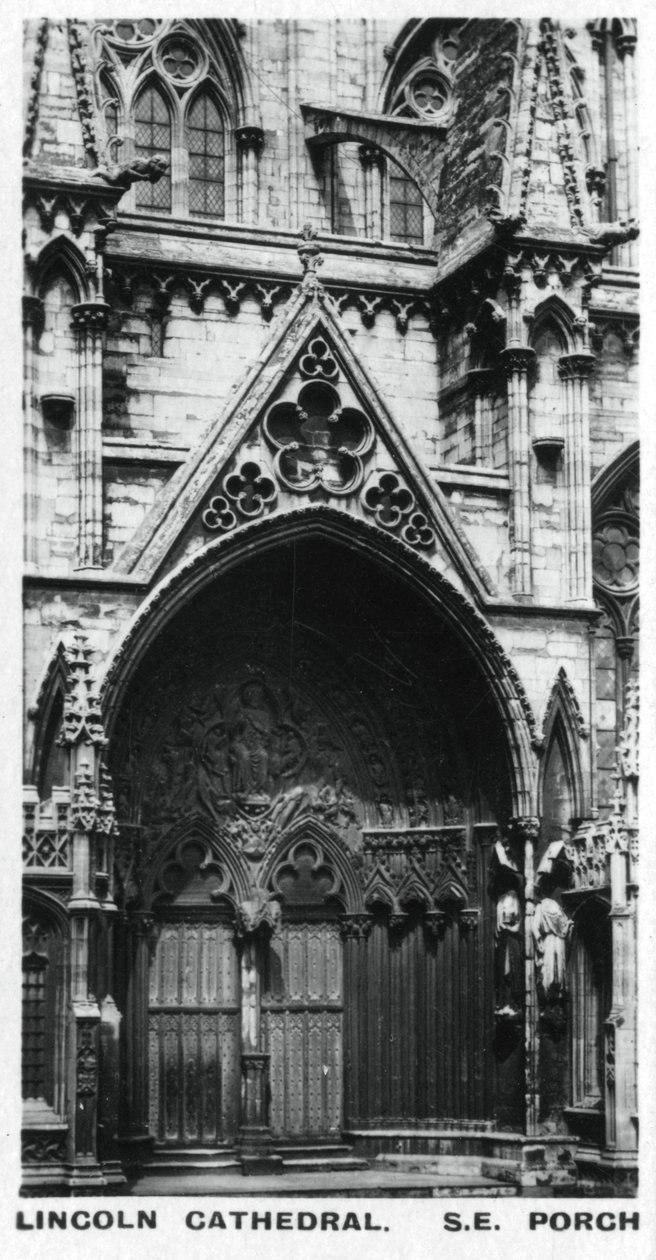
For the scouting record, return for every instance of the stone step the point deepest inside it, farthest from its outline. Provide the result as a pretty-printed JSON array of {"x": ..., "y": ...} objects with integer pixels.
[
  {"x": 458, "y": 1165},
  {"x": 322, "y": 1163},
  {"x": 318, "y": 1150},
  {"x": 200, "y": 1154}
]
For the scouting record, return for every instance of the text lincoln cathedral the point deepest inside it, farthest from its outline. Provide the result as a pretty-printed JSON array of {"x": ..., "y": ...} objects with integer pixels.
[{"x": 331, "y": 476}]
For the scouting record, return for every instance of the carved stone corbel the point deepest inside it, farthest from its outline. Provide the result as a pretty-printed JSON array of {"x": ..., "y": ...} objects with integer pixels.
[{"x": 258, "y": 912}]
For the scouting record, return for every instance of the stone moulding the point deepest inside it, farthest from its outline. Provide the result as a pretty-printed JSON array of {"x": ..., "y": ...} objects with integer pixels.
[{"x": 194, "y": 573}]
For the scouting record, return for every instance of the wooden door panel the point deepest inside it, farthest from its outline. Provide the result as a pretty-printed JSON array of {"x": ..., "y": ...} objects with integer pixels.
[
  {"x": 302, "y": 1026},
  {"x": 194, "y": 1034}
]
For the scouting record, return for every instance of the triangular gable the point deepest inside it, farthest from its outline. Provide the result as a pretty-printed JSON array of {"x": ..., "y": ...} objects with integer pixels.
[
  {"x": 547, "y": 188},
  {"x": 307, "y": 424}
]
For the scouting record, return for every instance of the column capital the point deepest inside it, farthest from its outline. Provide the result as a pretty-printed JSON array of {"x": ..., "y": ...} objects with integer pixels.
[
  {"x": 626, "y": 43},
  {"x": 517, "y": 360},
  {"x": 249, "y": 137},
  {"x": 90, "y": 315},
  {"x": 355, "y": 926},
  {"x": 576, "y": 366},
  {"x": 370, "y": 156},
  {"x": 525, "y": 828}
]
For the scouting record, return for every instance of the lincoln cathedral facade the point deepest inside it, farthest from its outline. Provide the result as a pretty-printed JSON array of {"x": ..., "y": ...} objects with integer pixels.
[{"x": 330, "y": 835}]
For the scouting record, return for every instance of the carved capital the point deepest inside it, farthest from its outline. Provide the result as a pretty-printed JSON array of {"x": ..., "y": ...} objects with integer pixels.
[
  {"x": 517, "y": 360},
  {"x": 626, "y": 43},
  {"x": 90, "y": 316},
  {"x": 576, "y": 366},
  {"x": 355, "y": 926},
  {"x": 257, "y": 912},
  {"x": 468, "y": 920},
  {"x": 435, "y": 921},
  {"x": 249, "y": 137},
  {"x": 526, "y": 829},
  {"x": 370, "y": 157}
]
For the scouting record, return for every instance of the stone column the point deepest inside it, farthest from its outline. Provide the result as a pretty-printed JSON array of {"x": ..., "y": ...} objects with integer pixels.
[
  {"x": 83, "y": 907},
  {"x": 373, "y": 165},
  {"x": 250, "y": 140},
  {"x": 480, "y": 381},
  {"x": 518, "y": 361},
  {"x": 620, "y": 1027},
  {"x": 89, "y": 322},
  {"x": 526, "y": 831},
  {"x": 83, "y": 736},
  {"x": 574, "y": 370},
  {"x": 355, "y": 929},
  {"x": 254, "y": 1132},
  {"x": 626, "y": 48},
  {"x": 136, "y": 1133},
  {"x": 32, "y": 327}
]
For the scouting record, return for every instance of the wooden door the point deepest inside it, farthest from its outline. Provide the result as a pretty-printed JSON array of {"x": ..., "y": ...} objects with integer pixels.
[
  {"x": 194, "y": 1034},
  {"x": 302, "y": 1029}
]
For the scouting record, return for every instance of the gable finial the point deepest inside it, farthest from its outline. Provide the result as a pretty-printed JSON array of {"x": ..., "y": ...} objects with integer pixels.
[{"x": 311, "y": 258}]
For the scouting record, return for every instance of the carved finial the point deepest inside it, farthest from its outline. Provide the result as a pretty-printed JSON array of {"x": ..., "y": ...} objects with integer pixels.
[
  {"x": 82, "y": 721},
  {"x": 628, "y": 747},
  {"x": 311, "y": 258}
]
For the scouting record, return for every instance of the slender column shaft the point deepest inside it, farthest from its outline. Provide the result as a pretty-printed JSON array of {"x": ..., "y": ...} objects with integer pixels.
[
  {"x": 627, "y": 51},
  {"x": 517, "y": 361},
  {"x": 620, "y": 1029},
  {"x": 249, "y": 143},
  {"x": 89, "y": 320},
  {"x": 372, "y": 161},
  {"x": 575, "y": 369},
  {"x": 480, "y": 380},
  {"x": 32, "y": 325}
]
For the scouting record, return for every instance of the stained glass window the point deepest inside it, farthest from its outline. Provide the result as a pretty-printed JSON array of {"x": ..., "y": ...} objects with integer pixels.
[
  {"x": 152, "y": 138},
  {"x": 205, "y": 143}
]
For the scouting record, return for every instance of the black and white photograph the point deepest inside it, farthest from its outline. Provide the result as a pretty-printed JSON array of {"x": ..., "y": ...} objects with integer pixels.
[{"x": 330, "y": 630}]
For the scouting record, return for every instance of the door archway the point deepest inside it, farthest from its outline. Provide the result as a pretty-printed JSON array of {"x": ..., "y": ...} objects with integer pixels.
[{"x": 312, "y": 714}]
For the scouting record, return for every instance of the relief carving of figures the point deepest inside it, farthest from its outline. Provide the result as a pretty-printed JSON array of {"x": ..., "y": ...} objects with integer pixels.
[
  {"x": 251, "y": 738},
  {"x": 253, "y": 759}
]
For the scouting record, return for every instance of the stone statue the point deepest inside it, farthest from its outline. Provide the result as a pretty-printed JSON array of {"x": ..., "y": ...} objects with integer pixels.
[
  {"x": 509, "y": 956},
  {"x": 551, "y": 929}
]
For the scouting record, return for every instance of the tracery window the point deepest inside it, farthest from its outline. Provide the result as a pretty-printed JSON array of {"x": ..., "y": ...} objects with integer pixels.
[
  {"x": 163, "y": 91},
  {"x": 205, "y": 144},
  {"x": 406, "y": 210},
  {"x": 153, "y": 137}
]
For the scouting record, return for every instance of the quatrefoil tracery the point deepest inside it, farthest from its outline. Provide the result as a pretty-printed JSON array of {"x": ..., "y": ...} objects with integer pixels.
[
  {"x": 318, "y": 443},
  {"x": 394, "y": 507},
  {"x": 246, "y": 492}
]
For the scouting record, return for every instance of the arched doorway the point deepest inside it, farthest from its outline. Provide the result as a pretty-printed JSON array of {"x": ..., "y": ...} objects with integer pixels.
[{"x": 312, "y": 715}]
